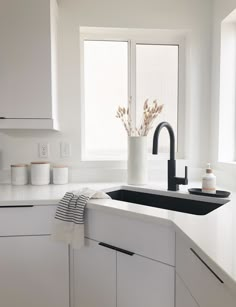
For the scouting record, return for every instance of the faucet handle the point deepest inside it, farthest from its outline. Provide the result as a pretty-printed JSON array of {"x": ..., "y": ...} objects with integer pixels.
[
  {"x": 183, "y": 180},
  {"x": 186, "y": 175}
]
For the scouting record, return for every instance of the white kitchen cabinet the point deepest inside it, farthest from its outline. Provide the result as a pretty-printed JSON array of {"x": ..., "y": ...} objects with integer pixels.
[
  {"x": 183, "y": 296},
  {"x": 95, "y": 284},
  {"x": 144, "y": 282},
  {"x": 26, "y": 220},
  {"x": 28, "y": 46},
  {"x": 203, "y": 279},
  {"x": 34, "y": 272},
  {"x": 107, "y": 277},
  {"x": 134, "y": 266},
  {"x": 148, "y": 239}
]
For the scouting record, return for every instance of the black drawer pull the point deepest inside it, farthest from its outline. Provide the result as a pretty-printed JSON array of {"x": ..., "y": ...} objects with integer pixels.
[
  {"x": 1, "y": 117},
  {"x": 120, "y": 250},
  {"x": 20, "y": 206},
  {"x": 193, "y": 251}
]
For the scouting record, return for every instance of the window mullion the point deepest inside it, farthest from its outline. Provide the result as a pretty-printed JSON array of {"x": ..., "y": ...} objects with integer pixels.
[
  {"x": 132, "y": 79},
  {"x": 82, "y": 102}
]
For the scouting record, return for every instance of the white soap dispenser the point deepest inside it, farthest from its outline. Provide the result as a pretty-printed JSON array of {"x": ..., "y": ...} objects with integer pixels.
[{"x": 209, "y": 181}]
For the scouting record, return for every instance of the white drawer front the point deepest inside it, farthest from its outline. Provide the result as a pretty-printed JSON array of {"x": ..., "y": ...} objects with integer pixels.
[
  {"x": 205, "y": 287},
  {"x": 143, "y": 238},
  {"x": 26, "y": 220}
]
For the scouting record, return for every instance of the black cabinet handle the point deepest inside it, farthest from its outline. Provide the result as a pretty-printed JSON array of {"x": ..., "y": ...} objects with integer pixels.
[
  {"x": 20, "y": 206},
  {"x": 206, "y": 265},
  {"x": 120, "y": 250},
  {"x": 2, "y": 117}
]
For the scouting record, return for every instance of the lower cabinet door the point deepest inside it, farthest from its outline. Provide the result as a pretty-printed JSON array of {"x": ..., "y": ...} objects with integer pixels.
[
  {"x": 201, "y": 279},
  {"x": 34, "y": 272},
  {"x": 183, "y": 296},
  {"x": 95, "y": 276},
  {"x": 144, "y": 282}
]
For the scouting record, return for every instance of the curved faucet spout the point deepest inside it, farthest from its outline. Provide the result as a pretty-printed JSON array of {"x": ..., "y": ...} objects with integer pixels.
[
  {"x": 156, "y": 139},
  {"x": 173, "y": 181}
]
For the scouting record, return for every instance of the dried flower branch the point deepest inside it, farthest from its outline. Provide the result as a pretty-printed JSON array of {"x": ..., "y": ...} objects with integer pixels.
[{"x": 150, "y": 113}]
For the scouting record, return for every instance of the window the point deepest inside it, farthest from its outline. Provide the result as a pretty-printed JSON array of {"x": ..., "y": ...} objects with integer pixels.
[
  {"x": 227, "y": 107},
  {"x": 105, "y": 87},
  {"x": 115, "y": 68},
  {"x": 157, "y": 78}
]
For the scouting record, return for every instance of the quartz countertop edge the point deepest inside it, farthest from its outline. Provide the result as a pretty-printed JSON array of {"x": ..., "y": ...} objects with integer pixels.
[{"x": 212, "y": 235}]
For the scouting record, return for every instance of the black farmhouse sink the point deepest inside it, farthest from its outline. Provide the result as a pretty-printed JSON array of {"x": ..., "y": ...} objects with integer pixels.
[{"x": 191, "y": 206}]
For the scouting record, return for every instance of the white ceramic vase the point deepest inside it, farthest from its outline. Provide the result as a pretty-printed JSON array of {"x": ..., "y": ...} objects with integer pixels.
[{"x": 137, "y": 160}]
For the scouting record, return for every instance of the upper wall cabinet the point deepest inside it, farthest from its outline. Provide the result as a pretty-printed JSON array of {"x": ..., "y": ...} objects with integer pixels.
[{"x": 28, "y": 60}]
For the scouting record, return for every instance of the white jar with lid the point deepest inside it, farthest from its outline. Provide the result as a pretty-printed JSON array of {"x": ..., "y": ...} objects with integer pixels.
[
  {"x": 60, "y": 174},
  {"x": 19, "y": 174},
  {"x": 40, "y": 173}
]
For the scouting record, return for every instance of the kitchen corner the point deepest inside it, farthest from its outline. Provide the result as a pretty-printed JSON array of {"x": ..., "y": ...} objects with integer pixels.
[
  {"x": 117, "y": 153},
  {"x": 212, "y": 234}
]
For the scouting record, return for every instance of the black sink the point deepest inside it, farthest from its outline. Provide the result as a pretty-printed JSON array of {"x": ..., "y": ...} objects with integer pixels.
[{"x": 197, "y": 207}]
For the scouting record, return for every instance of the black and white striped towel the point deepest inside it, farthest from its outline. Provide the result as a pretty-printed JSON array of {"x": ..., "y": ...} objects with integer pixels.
[{"x": 69, "y": 218}]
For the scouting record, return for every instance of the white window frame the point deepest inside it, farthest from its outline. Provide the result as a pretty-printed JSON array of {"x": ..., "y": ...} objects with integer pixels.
[{"x": 133, "y": 37}]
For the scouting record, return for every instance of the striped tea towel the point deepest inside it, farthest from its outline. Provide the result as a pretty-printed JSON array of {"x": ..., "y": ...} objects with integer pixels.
[{"x": 69, "y": 218}]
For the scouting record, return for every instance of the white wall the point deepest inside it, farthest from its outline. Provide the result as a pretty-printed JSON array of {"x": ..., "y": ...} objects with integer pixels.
[
  {"x": 192, "y": 15},
  {"x": 222, "y": 8}
]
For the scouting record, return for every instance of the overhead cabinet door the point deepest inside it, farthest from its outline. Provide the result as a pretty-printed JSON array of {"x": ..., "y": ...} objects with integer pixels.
[
  {"x": 25, "y": 59},
  {"x": 28, "y": 64}
]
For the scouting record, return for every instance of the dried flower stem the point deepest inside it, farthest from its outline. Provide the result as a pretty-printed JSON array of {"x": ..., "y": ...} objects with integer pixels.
[{"x": 150, "y": 113}]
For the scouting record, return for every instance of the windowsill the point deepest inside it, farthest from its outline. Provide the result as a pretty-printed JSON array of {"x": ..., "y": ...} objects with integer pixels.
[
  {"x": 226, "y": 168},
  {"x": 226, "y": 163},
  {"x": 123, "y": 158}
]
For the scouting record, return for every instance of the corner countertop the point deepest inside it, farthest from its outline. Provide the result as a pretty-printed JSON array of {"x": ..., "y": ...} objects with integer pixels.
[{"x": 213, "y": 234}]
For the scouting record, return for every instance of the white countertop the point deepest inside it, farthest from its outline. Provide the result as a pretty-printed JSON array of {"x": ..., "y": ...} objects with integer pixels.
[
  {"x": 214, "y": 234},
  {"x": 42, "y": 195}
]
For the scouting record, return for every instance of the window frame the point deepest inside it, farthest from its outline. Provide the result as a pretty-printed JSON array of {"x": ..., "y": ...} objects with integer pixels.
[{"x": 134, "y": 37}]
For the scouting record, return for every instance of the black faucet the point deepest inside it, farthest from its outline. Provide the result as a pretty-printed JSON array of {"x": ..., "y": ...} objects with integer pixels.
[{"x": 173, "y": 181}]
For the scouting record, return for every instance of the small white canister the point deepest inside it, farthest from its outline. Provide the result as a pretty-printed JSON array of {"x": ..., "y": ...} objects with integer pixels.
[
  {"x": 60, "y": 174},
  {"x": 40, "y": 173},
  {"x": 19, "y": 174}
]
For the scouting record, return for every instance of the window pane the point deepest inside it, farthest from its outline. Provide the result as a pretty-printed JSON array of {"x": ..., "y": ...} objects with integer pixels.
[
  {"x": 157, "y": 78},
  {"x": 106, "y": 87}
]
